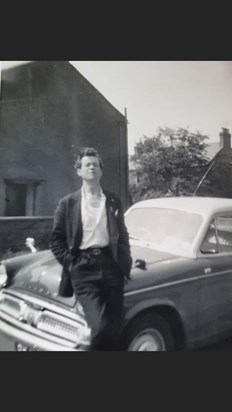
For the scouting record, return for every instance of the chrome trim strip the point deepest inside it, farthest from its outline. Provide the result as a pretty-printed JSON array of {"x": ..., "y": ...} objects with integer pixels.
[
  {"x": 46, "y": 305},
  {"x": 177, "y": 282},
  {"x": 32, "y": 340},
  {"x": 222, "y": 272},
  {"x": 20, "y": 327}
]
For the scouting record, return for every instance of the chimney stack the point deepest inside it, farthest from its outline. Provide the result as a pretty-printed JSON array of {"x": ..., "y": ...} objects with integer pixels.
[{"x": 225, "y": 138}]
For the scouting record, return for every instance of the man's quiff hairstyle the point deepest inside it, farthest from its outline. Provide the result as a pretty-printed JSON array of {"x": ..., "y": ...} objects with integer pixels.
[{"x": 87, "y": 151}]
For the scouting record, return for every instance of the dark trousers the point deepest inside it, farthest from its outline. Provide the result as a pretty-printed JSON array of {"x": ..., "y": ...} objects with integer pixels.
[{"x": 98, "y": 286}]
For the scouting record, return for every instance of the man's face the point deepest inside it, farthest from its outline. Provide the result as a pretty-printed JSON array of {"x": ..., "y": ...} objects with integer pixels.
[{"x": 90, "y": 169}]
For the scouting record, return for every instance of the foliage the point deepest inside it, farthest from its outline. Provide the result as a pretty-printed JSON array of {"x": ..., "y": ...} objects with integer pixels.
[{"x": 169, "y": 164}]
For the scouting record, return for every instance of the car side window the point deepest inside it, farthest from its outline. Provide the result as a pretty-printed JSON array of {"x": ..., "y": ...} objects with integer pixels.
[
  {"x": 224, "y": 231},
  {"x": 210, "y": 244},
  {"x": 218, "y": 238}
]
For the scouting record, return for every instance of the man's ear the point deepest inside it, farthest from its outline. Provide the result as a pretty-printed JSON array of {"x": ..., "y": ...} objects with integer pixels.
[{"x": 79, "y": 172}]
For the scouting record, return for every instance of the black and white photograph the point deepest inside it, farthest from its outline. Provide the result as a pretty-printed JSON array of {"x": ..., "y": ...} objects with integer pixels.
[{"x": 116, "y": 205}]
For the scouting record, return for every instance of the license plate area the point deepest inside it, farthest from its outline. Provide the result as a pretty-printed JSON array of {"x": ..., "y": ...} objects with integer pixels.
[{"x": 23, "y": 347}]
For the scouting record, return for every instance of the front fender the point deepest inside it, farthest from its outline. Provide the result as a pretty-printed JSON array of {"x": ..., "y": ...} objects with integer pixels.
[
  {"x": 14, "y": 264},
  {"x": 146, "y": 304}
]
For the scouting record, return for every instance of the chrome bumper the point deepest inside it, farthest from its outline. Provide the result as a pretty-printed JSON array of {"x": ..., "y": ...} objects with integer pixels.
[{"x": 10, "y": 337}]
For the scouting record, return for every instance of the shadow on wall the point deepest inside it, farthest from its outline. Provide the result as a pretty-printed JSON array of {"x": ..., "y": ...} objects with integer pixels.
[{"x": 14, "y": 232}]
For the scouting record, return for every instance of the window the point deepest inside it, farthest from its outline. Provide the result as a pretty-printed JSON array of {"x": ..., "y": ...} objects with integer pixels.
[
  {"x": 210, "y": 244},
  {"x": 166, "y": 228},
  {"x": 20, "y": 198},
  {"x": 224, "y": 230},
  {"x": 219, "y": 236}
]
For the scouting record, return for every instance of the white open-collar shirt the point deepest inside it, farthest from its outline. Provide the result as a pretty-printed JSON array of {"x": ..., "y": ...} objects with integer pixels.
[{"x": 94, "y": 222}]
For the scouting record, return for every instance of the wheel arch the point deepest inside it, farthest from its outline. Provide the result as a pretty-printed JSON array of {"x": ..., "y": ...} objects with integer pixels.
[{"x": 165, "y": 309}]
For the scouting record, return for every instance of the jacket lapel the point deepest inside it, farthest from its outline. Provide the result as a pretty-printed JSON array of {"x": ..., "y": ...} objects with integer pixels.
[
  {"x": 76, "y": 221},
  {"x": 111, "y": 222}
]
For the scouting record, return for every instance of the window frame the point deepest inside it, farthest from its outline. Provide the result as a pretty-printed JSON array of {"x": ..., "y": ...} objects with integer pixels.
[
  {"x": 218, "y": 252},
  {"x": 30, "y": 200}
]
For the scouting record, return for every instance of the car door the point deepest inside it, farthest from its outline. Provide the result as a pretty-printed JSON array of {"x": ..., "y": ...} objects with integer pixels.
[{"x": 215, "y": 279}]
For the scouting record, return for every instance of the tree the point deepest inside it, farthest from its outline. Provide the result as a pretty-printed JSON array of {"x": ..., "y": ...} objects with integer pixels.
[{"x": 169, "y": 164}]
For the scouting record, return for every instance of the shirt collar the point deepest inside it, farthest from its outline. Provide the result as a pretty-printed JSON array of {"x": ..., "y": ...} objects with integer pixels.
[{"x": 84, "y": 193}]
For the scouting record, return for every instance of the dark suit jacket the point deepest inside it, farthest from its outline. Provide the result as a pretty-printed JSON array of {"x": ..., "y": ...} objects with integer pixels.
[{"x": 67, "y": 234}]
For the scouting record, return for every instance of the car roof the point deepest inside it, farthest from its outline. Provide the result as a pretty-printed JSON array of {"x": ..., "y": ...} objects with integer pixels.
[{"x": 194, "y": 204}]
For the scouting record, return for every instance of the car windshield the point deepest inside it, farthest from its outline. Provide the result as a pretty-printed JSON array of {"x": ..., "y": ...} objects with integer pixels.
[{"x": 165, "y": 229}]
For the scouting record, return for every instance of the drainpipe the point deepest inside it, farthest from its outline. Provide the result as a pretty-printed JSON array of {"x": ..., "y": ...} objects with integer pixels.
[{"x": 0, "y": 76}]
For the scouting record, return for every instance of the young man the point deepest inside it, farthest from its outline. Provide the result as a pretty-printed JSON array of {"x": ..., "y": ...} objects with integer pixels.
[{"x": 90, "y": 239}]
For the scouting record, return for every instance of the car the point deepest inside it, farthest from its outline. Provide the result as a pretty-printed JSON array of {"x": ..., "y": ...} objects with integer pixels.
[{"x": 179, "y": 296}]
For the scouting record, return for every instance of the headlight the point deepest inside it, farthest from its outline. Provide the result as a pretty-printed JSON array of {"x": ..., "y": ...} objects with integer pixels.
[
  {"x": 1, "y": 297},
  {"x": 3, "y": 275}
]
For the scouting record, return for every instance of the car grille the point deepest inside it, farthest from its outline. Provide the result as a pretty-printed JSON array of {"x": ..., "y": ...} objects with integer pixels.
[
  {"x": 58, "y": 326},
  {"x": 74, "y": 331}
]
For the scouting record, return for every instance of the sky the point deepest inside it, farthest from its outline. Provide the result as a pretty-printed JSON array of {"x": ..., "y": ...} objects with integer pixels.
[{"x": 193, "y": 94}]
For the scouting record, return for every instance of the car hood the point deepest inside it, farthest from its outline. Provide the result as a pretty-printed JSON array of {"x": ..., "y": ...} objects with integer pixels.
[
  {"x": 148, "y": 254},
  {"x": 41, "y": 277},
  {"x": 160, "y": 268}
]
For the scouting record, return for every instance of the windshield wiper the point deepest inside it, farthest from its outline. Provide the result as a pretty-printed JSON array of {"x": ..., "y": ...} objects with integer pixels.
[
  {"x": 136, "y": 238},
  {"x": 144, "y": 242}
]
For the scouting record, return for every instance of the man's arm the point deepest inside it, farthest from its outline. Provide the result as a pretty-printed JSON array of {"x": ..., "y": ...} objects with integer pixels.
[{"x": 58, "y": 240}]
